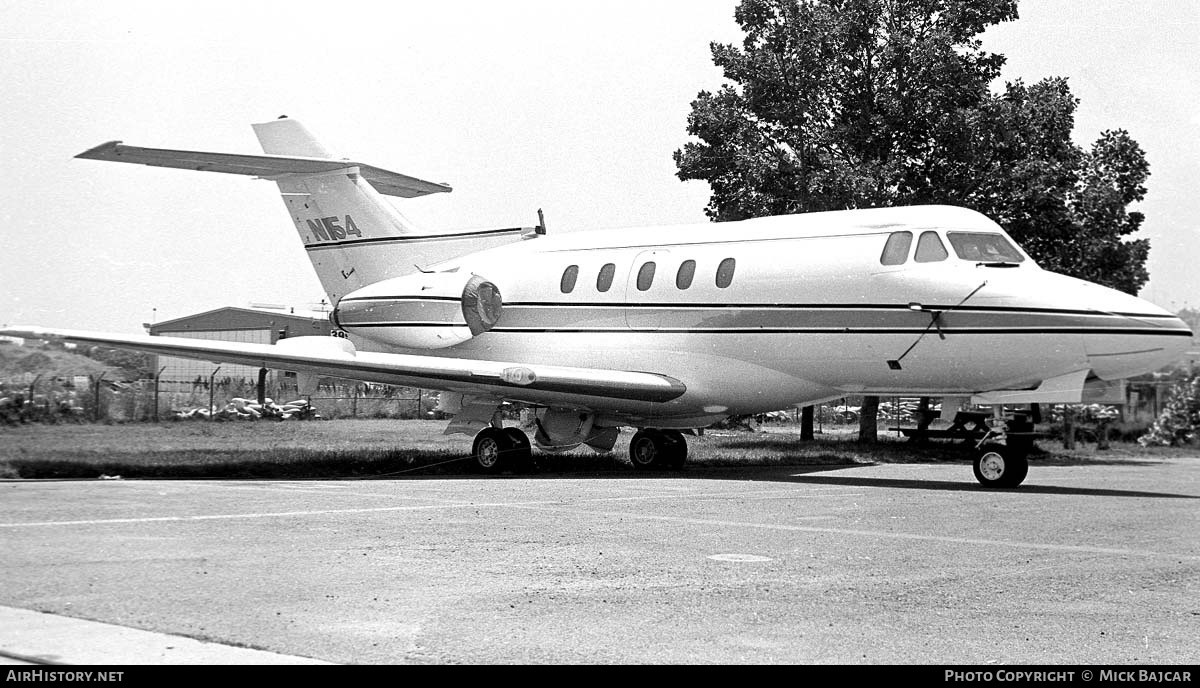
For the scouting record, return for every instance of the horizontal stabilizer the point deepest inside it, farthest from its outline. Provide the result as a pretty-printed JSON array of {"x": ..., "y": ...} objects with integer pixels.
[{"x": 271, "y": 166}]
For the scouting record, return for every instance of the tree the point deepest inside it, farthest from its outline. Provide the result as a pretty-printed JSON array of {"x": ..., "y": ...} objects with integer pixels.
[
  {"x": 837, "y": 104},
  {"x": 1179, "y": 422}
]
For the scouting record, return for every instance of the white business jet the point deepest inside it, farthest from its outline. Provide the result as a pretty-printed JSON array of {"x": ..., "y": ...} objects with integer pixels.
[{"x": 669, "y": 328}]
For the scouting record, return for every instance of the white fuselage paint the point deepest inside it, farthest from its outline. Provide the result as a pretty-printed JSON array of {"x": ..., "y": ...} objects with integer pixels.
[{"x": 810, "y": 313}]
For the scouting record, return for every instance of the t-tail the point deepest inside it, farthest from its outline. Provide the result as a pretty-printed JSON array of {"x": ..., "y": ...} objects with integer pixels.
[{"x": 353, "y": 236}]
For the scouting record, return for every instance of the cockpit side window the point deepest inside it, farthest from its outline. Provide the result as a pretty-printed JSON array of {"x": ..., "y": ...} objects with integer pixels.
[
  {"x": 984, "y": 247},
  {"x": 895, "y": 251},
  {"x": 930, "y": 248}
]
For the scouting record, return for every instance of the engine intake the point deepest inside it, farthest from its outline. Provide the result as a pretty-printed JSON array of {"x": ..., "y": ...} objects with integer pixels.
[{"x": 422, "y": 311}]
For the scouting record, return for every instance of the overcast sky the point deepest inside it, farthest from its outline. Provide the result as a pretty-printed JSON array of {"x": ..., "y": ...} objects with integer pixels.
[{"x": 571, "y": 107}]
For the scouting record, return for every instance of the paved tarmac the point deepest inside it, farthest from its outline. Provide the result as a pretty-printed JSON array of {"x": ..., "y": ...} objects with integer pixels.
[{"x": 1085, "y": 564}]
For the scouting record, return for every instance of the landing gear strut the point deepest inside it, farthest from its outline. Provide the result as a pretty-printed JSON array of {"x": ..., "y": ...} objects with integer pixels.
[
  {"x": 653, "y": 449},
  {"x": 998, "y": 465},
  {"x": 497, "y": 449}
]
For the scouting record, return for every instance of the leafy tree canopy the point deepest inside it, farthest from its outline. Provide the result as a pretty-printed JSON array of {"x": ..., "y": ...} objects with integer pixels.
[{"x": 835, "y": 104}]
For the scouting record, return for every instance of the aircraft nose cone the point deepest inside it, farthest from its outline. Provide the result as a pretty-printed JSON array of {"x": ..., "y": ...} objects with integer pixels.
[{"x": 1136, "y": 337}]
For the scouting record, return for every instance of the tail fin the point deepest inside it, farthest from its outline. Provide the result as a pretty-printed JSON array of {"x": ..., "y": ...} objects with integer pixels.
[
  {"x": 352, "y": 235},
  {"x": 343, "y": 220}
]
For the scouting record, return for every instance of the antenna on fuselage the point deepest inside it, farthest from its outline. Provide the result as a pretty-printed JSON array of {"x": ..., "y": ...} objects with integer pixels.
[{"x": 934, "y": 322}]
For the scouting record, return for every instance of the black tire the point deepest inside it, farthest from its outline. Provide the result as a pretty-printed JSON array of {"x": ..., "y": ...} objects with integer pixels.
[
  {"x": 997, "y": 465},
  {"x": 646, "y": 450},
  {"x": 521, "y": 454},
  {"x": 676, "y": 448},
  {"x": 492, "y": 450}
]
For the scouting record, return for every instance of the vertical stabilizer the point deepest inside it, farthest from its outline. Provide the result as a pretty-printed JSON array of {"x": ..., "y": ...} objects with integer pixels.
[
  {"x": 342, "y": 220},
  {"x": 353, "y": 236}
]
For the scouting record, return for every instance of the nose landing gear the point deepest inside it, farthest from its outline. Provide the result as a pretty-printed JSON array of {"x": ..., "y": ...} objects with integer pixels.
[{"x": 998, "y": 465}]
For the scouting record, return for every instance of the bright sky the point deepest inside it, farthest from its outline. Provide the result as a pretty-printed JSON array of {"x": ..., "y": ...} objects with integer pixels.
[{"x": 571, "y": 107}]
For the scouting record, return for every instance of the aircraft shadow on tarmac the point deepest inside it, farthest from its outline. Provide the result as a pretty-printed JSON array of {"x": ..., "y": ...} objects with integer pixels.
[
  {"x": 809, "y": 475},
  {"x": 321, "y": 465},
  {"x": 970, "y": 486}
]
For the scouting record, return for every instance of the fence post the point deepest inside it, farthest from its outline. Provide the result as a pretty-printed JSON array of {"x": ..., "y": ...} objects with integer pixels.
[
  {"x": 212, "y": 390},
  {"x": 156, "y": 379},
  {"x": 96, "y": 393}
]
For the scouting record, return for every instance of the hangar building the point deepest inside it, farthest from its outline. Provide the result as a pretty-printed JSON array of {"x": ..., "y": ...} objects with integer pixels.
[{"x": 256, "y": 325}]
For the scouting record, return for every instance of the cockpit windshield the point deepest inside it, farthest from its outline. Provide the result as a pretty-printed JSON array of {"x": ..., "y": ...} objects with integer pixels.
[{"x": 984, "y": 247}]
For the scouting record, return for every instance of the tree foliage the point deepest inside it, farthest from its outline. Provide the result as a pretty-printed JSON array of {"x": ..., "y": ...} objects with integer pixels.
[
  {"x": 835, "y": 104},
  {"x": 1179, "y": 422}
]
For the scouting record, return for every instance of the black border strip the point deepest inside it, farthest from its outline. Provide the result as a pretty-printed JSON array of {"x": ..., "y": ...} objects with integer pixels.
[
  {"x": 833, "y": 306},
  {"x": 408, "y": 239},
  {"x": 918, "y": 330}
]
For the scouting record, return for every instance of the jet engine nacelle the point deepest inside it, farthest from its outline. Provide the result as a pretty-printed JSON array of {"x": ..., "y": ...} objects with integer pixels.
[{"x": 432, "y": 310}]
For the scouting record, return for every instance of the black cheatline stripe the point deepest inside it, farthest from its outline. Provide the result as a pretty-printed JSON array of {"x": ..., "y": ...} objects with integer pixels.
[
  {"x": 401, "y": 323},
  {"x": 399, "y": 298},
  {"x": 830, "y": 306},
  {"x": 778, "y": 330},
  {"x": 407, "y": 239}
]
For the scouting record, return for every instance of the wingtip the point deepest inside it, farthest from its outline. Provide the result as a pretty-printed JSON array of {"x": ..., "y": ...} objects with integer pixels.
[{"x": 105, "y": 151}]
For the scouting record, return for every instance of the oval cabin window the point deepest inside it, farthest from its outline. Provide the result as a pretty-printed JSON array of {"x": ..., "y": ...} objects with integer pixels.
[
  {"x": 605, "y": 279},
  {"x": 567, "y": 285},
  {"x": 645, "y": 276},
  {"x": 725, "y": 272},
  {"x": 687, "y": 272}
]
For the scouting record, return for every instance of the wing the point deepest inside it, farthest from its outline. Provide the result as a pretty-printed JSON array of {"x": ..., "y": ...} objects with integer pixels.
[
  {"x": 336, "y": 357},
  {"x": 384, "y": 181}
]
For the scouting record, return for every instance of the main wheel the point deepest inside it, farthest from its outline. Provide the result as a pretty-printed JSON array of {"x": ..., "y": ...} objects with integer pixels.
[
  {"x": 492, "y": 450},
  {"x": 646, "y": 449},
  {"x": 999, "y": 466},
  {"x": 521, "y": 453},
  {"x": 676, "y": 448},
  {"x": 652, "y": 449}
]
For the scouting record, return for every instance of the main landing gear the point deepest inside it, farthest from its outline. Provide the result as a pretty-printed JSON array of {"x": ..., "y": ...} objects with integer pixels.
[
  {"x": 500, "y": 449},
  {"x": 652, "y": 449},
  {"x": 496, "y": 449}
]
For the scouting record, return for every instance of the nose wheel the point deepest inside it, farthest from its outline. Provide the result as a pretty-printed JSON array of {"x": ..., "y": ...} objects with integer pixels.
[
  {"x": 998, "y": 465},
  {"x": 653, "y": 449}
]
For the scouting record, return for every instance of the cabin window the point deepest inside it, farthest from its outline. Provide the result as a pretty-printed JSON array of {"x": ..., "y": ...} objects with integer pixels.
[
  {"x": 645, "y": 276},
  {"x": 984, "y": 247},
  {"x": 930, "y": 248},
  {"x": 605, "y": 279},
  {"x": 570, "y": 275},
  {"x": 895, "y": 251},
  {"x": 725, "y": 272},
  {"x": 687, "y": 271}
]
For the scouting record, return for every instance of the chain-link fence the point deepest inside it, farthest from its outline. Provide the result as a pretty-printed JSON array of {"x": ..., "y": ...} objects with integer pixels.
[{"x": 91, "y": 398}]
